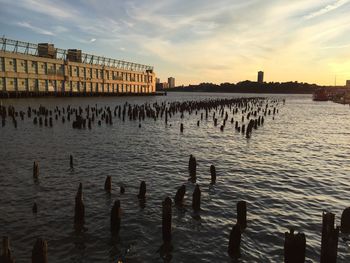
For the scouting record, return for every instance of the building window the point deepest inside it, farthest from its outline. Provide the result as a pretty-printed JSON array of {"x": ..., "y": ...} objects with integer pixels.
[
  {"x": 22, "y": 82},
  {"x": 10, "y": 62},
  {"x": 11, "y": 82}
]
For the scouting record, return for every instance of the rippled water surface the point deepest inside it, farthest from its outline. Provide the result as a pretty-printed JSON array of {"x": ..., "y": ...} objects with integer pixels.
[{"x": 289, "y": 171}]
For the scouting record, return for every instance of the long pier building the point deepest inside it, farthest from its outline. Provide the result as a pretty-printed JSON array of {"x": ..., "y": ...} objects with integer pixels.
[{"x": 28, "y": 69}]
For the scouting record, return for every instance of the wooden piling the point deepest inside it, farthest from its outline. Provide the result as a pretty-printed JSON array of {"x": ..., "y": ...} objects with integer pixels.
[
  {"x": 6, "y": 256},
  {"x": 234, "y": 244},
  {"x": 179, "y": 197},
  {"x": 345, "y": 221},
  {"x": 108, "y": 183},
  {"x": 213, "y": 174},
  {"x": 329, "y": 241},
  {"x": 71, "y": 161},
  {"x": 294, "y": 247},
  {"x": 196, "y": 199},
  {"x": 79, "y": 211},
  {"x": 35, "y": 208},
  {"x": 166, "y": 220},
  {"x": 142, "y": 191},
  {"x": 39, "y": 252},
  {"x": 115, "y": 218},
  {"x": 35, "y": 170},
  {"x": 242, "y": 214}
]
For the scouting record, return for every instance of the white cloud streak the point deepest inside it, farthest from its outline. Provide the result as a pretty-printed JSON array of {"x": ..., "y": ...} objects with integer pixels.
[
  {"x": 327, "y": 9},
  {"x": 35, "y": 29}
]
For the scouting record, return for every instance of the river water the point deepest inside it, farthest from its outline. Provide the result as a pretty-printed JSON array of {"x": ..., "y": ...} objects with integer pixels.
[{"x": 289, "y": 171}]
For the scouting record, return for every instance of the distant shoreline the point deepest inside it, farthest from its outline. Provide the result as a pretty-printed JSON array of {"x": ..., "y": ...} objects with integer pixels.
[{"x": 255, "y": 87}]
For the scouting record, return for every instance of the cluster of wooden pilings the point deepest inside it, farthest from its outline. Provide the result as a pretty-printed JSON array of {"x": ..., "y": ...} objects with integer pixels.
[
  {"x": 294, "y": 244},
  {"x": 247, "y": 113}
]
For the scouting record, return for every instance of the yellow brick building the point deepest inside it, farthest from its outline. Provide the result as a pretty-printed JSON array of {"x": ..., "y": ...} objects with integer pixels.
[{"x": 27, "y": 68}]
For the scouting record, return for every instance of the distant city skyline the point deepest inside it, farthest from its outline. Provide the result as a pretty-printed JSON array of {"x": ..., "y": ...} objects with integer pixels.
[{"x": 197, "y": 41}]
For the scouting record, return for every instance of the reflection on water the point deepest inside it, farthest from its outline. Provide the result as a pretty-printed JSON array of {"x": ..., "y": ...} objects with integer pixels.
[{"x": 289, "y": 171}]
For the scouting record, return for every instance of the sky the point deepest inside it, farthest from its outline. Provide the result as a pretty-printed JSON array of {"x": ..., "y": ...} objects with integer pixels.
[{"x": 197, "y": 40}]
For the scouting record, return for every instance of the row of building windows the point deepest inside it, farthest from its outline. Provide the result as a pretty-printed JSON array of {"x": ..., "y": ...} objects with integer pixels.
[
  {"x": 14, "y": 84},
  {"x": 36, "y": 67}
]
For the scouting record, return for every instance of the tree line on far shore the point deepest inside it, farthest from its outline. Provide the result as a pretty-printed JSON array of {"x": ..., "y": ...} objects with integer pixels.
[{"x": 253, "y": 87}]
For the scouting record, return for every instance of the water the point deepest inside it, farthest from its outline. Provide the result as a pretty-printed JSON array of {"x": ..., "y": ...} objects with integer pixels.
[{"x": 292, "y": 169}]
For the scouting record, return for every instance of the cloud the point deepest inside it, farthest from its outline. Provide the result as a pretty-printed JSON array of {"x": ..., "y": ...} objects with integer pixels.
[
  {"x": 327, "y": 9},
  {"x": 35, "y": 29},
  {"x": 92, "y": 40}
]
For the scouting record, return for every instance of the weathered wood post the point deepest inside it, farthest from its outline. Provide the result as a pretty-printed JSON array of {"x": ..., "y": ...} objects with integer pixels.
[
  {"x": 234, "y": 243},
  {"x": 329, "y": 241},
  {"x": 242, "y": 214},
  {"x": 35, "y": 170},
  {"x": 6, "y": 256},
  {"x": 192, "y": 167},
  {"x": 122, "y": 189},
  {"x": 196, "y": 199},
  {"x": 345, "y": 221},
  {"x": 35, "y": 208},
  {"x": 79, "y": 211},
  {"x": 108, "y": 184},
  {"x": 179, "y": 197},
  {"x": 213, "y": 174},
  {"x": 115, "y": 218},
  {"x": 166, "y": 220},
  {"x": 71, "y": 161},
  {"x": 294, "y": 247},
  {"x": 142, "y": 191},
  {"x": 39, "y": 252},
  {"x": 181, "y": 128}
]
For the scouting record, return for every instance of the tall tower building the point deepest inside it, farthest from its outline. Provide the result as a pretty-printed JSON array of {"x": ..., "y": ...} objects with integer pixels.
[
  {"x": 260, "y": 77},
  {"x": 171, "y": 82}
]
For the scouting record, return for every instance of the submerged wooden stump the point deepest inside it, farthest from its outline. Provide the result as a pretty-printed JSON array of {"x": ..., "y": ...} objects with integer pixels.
[
  {"x": 213, "y": 174},
  {"x": 79, "y": 210},
  {"x": 71, "y": 164},
  {"x": 196, "y": 199},
  {"x": 345, "y": 221},
  {"x": 242, "y": 214},
  {"x": 166, "y": 220},
  {"x": 179, "y": 197},
  {"x": 294, "y": 247},
  {"x": 329, "y": 241},
  {"x": 6, "y": 256},
  {"x": 142, "y": 191},
  {"x": 108, "y": 184},
  {"x": 115, "y": 218},
  {"x": 39, "y": 252},
  {"x": 35, "y": 170},
  {"x": 234, "y": 244}
]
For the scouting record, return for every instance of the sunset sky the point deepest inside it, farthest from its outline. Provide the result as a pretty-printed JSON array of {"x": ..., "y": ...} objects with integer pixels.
[{"x": 197, "y": 40}]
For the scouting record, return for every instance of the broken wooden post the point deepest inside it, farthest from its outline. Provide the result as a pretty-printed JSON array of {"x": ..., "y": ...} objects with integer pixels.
[
  {"x": 35, "y": 208},
  {"x": 329, "y": 240},
  {"x": 79, "y": 211},
  {"x": 192, "y": 167},
  {"x": 234, "y": 243},
  {"x": 166, "y": 220},
  {"x": 142, "y": 191},
  {"x": 5, "y": 256},
  {"x": 196, "y": 199},
  {"x": 294, "y": 247},
  {"x": 242, "y": 214},
  {"x": 39, "y": 252},
  {"x": 345, "y": 221},
  {"x": 71, "y": 161},
  {"x": 108, "y": 184},
  {"x": 115, "y": 218},
  {"x": 213, "y": 174},
  {"x": 179, "y": 197},
  {"x": 35, "y": 170}
]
